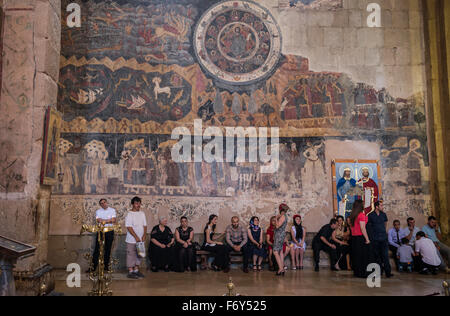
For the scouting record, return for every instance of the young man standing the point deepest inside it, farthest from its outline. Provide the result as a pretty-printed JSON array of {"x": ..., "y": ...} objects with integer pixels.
[
  {"x": 377, "y": 222},
  {"x": 136, "y": 225},
  {"x": 107, "y": 216},
  {"x": 433, "y": 232}
]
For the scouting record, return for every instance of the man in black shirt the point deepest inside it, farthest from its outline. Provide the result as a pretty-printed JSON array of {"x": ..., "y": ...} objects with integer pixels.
[
  {"x": 322, "y": 241},
  {"x": 376, "y": 228}
]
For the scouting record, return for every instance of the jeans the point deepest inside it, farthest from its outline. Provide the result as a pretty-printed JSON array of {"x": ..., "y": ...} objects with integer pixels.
[
  {"x": 443, "y": 252},
  {"x": 380, "y": 250}
]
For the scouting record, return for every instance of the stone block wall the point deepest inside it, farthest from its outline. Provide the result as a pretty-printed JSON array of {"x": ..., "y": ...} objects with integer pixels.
[{"x": 30, "y": 72}]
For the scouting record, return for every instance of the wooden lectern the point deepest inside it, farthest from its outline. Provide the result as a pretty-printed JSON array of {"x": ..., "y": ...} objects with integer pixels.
[{"x": 10, "y": 251}]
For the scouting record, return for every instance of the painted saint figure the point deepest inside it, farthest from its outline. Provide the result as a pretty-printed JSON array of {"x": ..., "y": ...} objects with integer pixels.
[
  {"x": 344, "y": 185},
  {"x": 370, "y": 188}
]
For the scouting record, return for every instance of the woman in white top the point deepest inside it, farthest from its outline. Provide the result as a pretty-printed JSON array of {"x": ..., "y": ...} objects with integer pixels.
[{"x": 298, "y": 245}]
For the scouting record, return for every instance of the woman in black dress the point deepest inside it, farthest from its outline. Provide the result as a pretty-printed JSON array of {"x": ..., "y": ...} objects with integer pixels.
[
  {"x": 186, "y": 254},
  {"x": 222, "y": 259},
  {"x": 161, "y": 250}
]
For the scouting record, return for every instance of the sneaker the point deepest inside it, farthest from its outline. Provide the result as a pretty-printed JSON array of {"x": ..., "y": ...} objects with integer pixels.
[
  {"x": 424, "y": 271},
  {"x": 139, "y": 274},
  {"x": 132, "y": 275}
]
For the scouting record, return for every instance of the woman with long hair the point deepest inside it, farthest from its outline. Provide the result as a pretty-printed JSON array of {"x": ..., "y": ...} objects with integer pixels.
[
  {"x": 298, "y": 245},
  {"x": 360, "y": 240},
  {"x": 279, "y": 238},
  {"x": 221, "y": 259},
  {"x": 256, "y": 243},
  {"x": 342, "y": 246}
]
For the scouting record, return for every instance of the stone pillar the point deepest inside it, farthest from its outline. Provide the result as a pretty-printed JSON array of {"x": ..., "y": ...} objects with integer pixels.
[
  {"x": 30, "y": 70},
  {"x": 437, "y": 48}
]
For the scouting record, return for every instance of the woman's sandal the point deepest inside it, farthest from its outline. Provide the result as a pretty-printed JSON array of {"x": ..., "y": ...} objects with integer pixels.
[{"x": 259, "y": 267}]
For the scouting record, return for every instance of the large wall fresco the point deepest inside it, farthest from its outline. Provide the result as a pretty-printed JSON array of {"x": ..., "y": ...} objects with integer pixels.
[{"x": 131, "y": 75}]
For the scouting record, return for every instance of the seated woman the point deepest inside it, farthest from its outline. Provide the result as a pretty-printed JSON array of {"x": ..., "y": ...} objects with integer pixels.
[
  {"x": 347, "y": 238},
  {"x": 161, "y": 250},
  {"x": 222, "y": 258},
  {"x": 338, "y": 239},
  {"x": 298, "y": 245},
  {"x": 269, "y": 241},
  {"x": 186, "y": 253},
  {"x": 256, "y": 243}
]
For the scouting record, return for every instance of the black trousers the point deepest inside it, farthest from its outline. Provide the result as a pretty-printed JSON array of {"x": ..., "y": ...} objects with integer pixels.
[
  {"x": 380, "y": 250},
  {"x": 423, "y": 265},
  {"x": 319, "y": 246},
  {"x": 221, "y": 255},
  {"x": 109, "y": 238},
  {"x": 360, "y": 256},
  {"x": 161, "y": 258},
  {"x": 185, "y": 257},
  {"x": 245, "y": 253},
  {"x": 394, "y": 254}
]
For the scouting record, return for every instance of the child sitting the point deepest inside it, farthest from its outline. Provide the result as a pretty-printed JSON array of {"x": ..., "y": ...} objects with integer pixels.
[{"x": 405, "y": 255}]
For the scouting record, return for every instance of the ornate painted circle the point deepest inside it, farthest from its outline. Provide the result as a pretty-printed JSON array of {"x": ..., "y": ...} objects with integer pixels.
[{"x": 238, "y": 42}]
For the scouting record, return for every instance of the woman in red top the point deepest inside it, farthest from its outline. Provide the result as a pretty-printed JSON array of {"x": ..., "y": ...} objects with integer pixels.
[
  {"x": 359, "y": 240},
  {"x": 269, "y": 240}
]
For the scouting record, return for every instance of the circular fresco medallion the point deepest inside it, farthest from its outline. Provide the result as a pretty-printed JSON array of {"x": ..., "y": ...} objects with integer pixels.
[{"x": 238, "y": 42}]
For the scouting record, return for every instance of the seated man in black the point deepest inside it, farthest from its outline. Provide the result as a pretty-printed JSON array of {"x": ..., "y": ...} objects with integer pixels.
[
  {"x": 322, "y": 241},
  {"x": 161, "y": 250}
]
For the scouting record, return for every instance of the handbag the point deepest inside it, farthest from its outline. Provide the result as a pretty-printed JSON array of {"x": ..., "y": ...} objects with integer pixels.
[{"x": 140, "y": 248}]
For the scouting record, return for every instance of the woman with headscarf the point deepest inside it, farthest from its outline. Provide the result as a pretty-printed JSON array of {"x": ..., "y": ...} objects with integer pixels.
[
  {"x": 185, "y": 250},
  {"x": 279, "y": 238},
  {"x": 298, "y": 244},
  {"x": 222, "y": 258},
  {"x": 161, "y": 250},
  {"x": 256, "y": 243}
]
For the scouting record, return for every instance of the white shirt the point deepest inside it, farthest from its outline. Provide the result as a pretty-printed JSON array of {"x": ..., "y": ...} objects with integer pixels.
[
  {"x": 428, "y": 250},
  {"x": 137, "y": 221},
  {"x": 107, "y": 214},
  {"x": 405, "y": 232}
]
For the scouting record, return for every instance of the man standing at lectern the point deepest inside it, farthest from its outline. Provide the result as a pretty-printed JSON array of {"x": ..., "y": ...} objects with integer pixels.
[
  {"x": 107, "y": 216},
  {"x": 368, "y": 185}
]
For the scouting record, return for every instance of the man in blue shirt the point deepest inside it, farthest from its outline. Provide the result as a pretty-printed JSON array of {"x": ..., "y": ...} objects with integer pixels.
[
  {"x": 410, "y": 233},
  {"x": 394, "y": 240},
  {"x": 377, "y": 225},
  {"x": 433, "y": 232}
]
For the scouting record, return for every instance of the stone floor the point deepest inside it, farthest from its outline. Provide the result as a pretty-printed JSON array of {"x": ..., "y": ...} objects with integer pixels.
[{"x": 265, "y": 283}]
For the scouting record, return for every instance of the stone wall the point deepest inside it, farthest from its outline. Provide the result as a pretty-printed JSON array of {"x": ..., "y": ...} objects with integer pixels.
[{"x": 31, "y": 49}]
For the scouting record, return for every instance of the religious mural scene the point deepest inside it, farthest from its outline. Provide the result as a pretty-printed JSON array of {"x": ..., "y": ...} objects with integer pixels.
[
  {"x": 137, "y": 69},
  {"x": 260, "y": 146}
]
